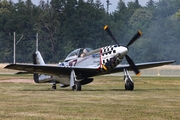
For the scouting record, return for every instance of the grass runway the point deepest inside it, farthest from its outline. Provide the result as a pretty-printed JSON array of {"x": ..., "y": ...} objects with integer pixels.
[{"x": 154, "y": 98}]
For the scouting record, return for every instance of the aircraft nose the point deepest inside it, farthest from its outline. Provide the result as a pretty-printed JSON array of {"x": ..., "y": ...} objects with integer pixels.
[{"x": 122, "y": 50}]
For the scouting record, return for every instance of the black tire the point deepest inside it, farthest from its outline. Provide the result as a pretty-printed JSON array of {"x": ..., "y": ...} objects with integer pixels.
[
  {"x": 54, "y": 87},
  {"x": 129, "y": 85},
  {"x": 77, "y": 86}
]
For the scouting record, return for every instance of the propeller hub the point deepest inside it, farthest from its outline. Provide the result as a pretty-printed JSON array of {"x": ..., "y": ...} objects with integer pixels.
[{"x": 122, "y": 50}]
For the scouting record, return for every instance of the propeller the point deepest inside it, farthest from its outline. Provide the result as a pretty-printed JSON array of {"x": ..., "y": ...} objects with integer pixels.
[
  {"x": 106, "y": 28},
  {"x": 136, "y": 36},
  {"x": 129, "y": 60},
  {"x": 133, "y": 66}
]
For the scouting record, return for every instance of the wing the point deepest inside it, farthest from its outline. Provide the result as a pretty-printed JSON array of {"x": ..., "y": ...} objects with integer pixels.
[
  {"x": 59, "y": 70},
  {"x": 50, "y": 70},
  {"x": 142, "y": 65}
]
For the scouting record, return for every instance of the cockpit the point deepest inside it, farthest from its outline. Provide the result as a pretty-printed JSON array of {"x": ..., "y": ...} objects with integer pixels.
[{"x": 80, "y": 52}]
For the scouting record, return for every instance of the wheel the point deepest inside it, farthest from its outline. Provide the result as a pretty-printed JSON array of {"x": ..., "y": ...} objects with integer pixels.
[
  {"x": 77, "y": 86},
  {"x": 129, "y": 85},
  {"x": 54, "y": 86}
]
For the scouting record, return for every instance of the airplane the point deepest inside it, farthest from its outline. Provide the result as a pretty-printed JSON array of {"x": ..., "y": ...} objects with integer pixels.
[{"x": 82, "y": 64}]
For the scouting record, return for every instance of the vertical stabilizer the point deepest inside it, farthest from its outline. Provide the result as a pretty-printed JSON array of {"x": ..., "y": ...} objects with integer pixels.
[{"x": 37, "y": 59}]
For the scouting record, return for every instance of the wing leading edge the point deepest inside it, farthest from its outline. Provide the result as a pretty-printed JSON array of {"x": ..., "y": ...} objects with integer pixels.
[
  {"x": 49, "y": 69},
  {"x": 143, "y": 65}
]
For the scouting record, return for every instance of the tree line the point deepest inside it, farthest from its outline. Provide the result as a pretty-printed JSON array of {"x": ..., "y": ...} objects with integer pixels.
[{"x": 64, "y": 25}]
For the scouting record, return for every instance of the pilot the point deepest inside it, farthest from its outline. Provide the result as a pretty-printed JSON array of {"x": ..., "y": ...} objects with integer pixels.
[{"x": 84, "y": 53}]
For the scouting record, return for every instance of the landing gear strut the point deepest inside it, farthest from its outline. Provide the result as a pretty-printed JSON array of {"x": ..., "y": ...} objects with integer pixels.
[
  {"x": 74, "y": 84},
  {"x": 129, "y": 84}
]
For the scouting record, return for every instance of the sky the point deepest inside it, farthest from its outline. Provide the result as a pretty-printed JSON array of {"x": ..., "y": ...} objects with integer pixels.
[{"x": 111, "y": 7}]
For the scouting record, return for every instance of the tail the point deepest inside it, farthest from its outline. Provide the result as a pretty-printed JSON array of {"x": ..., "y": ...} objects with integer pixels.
[{"x": 37, "y": 59}]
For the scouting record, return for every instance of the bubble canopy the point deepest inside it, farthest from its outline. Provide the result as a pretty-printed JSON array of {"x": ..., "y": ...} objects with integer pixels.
[{"x": 77, "y": 53}]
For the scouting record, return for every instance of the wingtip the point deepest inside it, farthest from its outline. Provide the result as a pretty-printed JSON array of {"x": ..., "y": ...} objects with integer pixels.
[{"x": 7, "y": 66}]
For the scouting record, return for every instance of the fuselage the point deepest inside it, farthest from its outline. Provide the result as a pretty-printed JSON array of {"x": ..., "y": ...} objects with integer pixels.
[
  {"x": 95, "y": 58},
  {"x": 103, "y": 59}
]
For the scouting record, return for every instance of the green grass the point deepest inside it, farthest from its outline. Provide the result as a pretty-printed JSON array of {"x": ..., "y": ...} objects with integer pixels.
[
  {"x": 154, "y": 98},
  {"x": 15, "y": 76}
]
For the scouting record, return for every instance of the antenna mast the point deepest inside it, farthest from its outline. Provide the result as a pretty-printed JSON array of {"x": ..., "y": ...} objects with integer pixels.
[
  {"x": 108, "y": 3},
  {"x": 14, "y": 48},
  {"x": 37, "y": 42},
  {"x": 15, "y": 43}
]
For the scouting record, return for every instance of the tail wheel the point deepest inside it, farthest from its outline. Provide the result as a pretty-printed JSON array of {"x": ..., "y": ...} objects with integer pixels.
[
  {"x": 77, "y": 86},
  {"x": 54, "y": 86}
]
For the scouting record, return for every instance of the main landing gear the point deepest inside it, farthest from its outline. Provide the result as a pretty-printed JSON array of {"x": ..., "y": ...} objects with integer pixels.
[
  {"x": 129, "y": 84},
  {"x": 76, "y": 86},
  {"x": 74, "y": 83}
]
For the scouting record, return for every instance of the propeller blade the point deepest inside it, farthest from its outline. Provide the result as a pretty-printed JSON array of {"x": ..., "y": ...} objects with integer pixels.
[
  {"x": 106, "y": 28},
  {"x": 133, "y": 66},
  {"x": 136, "y": 36}
]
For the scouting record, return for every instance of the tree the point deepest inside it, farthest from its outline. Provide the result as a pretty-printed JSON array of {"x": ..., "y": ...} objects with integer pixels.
[
  {"x": 141, "y": 18},
  {"x": 133, "y": 5},
  {"x": 166, "y": 8},
  {"x": 121, "y": 6},
  {"x": 48, "y": 25},
  {"x": 84, "y": 25},
  {"x": 150, "y": 3}
]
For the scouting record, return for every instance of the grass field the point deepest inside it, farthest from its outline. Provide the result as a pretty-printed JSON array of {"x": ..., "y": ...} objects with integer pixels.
[{"x": 154, "y": 98}]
